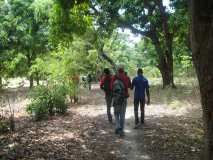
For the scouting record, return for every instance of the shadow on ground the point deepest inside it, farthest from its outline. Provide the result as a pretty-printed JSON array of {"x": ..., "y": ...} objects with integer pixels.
[
  {"x": 81, "y": 137},
  {"x": 165, "y": 138},
  {"x": 77, "y": 136},
  {"x": 68, "y": 137}
]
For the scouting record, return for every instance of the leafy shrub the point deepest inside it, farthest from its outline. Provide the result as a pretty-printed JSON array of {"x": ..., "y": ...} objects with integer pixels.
[
  {"x": 58, "y": 100},
  {"x": 4, "y": 126},
  {"x": 47, "y": 101}
]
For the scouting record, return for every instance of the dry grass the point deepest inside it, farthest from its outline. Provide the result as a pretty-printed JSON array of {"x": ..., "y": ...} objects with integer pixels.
[{"x": 173, "y": 128}]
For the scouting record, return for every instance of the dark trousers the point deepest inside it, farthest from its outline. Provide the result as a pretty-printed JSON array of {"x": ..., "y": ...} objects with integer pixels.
[
  {"x": 138, "y": 102},
  {"x": 109, "y": 106}
]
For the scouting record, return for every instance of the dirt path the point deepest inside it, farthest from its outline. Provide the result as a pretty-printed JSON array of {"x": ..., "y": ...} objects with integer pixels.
[
  {"x": 170, "y": 133},
  {"x": 128, "y": 147}
]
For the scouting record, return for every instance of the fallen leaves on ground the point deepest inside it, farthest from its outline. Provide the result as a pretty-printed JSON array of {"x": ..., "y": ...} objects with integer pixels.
[{"x": 65, "y": 138}]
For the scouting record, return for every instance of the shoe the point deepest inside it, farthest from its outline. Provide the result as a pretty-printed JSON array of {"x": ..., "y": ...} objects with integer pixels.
[
  {"x": 137, "y": 126},
  {"x": 142, "y": 123},
  {"x": 117, "y": 131},
  {"x": 121, "y": 134},
  {"x": 110, "y": 121}
]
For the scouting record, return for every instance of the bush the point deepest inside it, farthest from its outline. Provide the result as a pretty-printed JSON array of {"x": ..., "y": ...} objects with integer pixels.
[
  {"x": 4, "y": 126},
  {"x": 47, "y": 101},
  {"x": 58, "y": 100}
]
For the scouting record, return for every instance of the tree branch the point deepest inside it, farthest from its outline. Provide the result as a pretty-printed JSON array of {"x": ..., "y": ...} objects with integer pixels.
[{"x": 133, "y": 29}]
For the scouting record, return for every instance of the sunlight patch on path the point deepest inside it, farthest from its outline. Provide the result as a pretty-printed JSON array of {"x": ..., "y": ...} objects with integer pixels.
[{"x": 90, "y": 110}]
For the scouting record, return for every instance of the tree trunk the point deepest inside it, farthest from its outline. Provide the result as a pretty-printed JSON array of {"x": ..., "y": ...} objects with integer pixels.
[
  {"x": 165, "y": 55},
  {"x": 37, "y": 79},
  {"x": 31, "y": 81},
  {"x": 202, "y": 48},
  {"x": 166, "y": 74},
  {"x": 168, "y": 41},
  {"x": 165, "y": 62},
  {"x": 29, "y": 61},
  {"x": 104, "y": 56},
  {"x": 1, "y": 83}
]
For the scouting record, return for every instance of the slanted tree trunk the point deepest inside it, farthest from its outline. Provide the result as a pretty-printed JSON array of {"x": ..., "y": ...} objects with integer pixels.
[
  {"x": 168, "y": 42},
  {"x": 1, "y": 83},
  {"x": 165, "y": 61},
  {"x": 202, "y": 48},
  {"x": 105, "y": 57}
]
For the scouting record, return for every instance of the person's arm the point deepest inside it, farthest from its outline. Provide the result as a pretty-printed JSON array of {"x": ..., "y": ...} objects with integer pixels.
[
  {"x": 111, "y": 83},
  {"x": 132, "y": 84},
  {"x": 147, "y": 93},
  {"x": 102, "y": 83}
]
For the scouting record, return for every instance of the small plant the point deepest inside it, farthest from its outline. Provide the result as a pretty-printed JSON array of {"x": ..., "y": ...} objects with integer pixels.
[
  {"x": 7, "y": 122},
  {"x": 4, "y": 126},
  {"x": 47, "y": 100},
  {"x": 58, "y": 95}
]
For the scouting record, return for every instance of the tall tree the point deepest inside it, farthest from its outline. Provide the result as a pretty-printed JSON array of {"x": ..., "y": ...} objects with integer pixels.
[
  {"x": 31, "y": 34},
  {"x": 147, "y": 18},
  {"x": 202, "y": 47},
  {"x": 4, "y": 38},
  {"x": 24, "y": 35}
]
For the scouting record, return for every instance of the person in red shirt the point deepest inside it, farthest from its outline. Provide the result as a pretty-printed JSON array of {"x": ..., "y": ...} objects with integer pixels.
[
  {"x": 121, "y": 75},
  {"x": 120, "y": 82},
  {"x": 105, "y": 85},
  {"x": 129, "y": 79}
]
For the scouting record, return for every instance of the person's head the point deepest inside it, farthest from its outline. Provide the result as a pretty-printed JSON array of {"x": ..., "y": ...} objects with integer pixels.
[
  {"x": 106, "y": 71},
  {"x": 140, "y": 71},
  {"x": 121, "y": 69}
]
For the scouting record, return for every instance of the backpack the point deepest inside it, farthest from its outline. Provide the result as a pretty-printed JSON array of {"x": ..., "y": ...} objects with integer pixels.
[
  {"x": 106, "y": 85},
  {"x": 118, "y": 92}
]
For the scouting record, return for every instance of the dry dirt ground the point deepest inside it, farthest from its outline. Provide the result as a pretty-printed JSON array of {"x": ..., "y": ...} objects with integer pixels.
[{"x": 172, "y": 131}]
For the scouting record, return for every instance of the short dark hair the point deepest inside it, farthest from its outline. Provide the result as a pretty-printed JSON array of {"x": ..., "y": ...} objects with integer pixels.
[
  {"x": 106, "y": 71},
  {"x": 140, "y": 71}
]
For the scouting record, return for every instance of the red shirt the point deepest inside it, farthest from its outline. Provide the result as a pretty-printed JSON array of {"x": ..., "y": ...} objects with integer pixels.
[
  {"x": 103, "y": 79},
  {"x": 129, "y": 82},
  {"x": 124, "y": 79}
]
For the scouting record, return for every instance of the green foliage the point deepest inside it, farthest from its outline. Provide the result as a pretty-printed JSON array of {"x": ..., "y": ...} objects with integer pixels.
[
  {"x": 67, "y": 65},
  {"x": 17, "y": 66},
  {"x": 146, "y": 53},
  {"x": 132, "y": 55},
  {"x": 58, "y": 99},
  {"x": 151, "y": 72},
  {"x": 56, "y": 40},
  {"x": 4, "y": 125},
  {"x": 47, "y": 100},
  {"x": 38, "y": 69},
  {"x": 39, "y": 106},
  {"x": 68, "y": 20},
  {"x": 120, "y": 49},
  {"x": 24, "y": 36}
]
